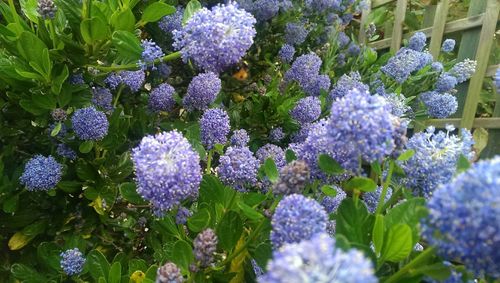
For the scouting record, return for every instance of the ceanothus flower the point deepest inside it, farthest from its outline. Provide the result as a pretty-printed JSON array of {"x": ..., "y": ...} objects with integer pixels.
[
  {"x": 46, "y": 9},
  {"x": 343, "y": 40},
  {"x": 276, "y": 134},
  {"x": 448, "y": 45},
  {"x": 41, "y": 173},
  {"x": 295, "y": 33},
  {"x": 161, "y": 98},
  {"x": 172, "y": 22},
  {"x": 169, "y": 273},
  {"x": 307, "y": 110},
  {"x": 445, "y": 82},
  {"x": 202, "y": 91},
  {"x": 371, "y": 199},
  {"x": 346, "y": 83},
  {"x": 437, "y": 66},
  {"x": 72, "y": 261},
  {"x": 317, "y": 260},
  {"x": 297, "y": 218},
  {"x": 271, "y": 151},
  {"x": 150, "y": 52},
  {"x": 167, "y": 170},
  {"x": 265, "y": 9},
  {"x": 396, "y": 101},
  {"x": 205, "y": 246},
  {"x": 304, "y": 69},
  {"x": 218, "y": 38},
  {"x": 239, "y": 138},
  {"x": 182, "y": 215},
  {"x": 439, "y": 105},
  {"x": 353, "y": 49},
  {"x": 113, "y": 80},
  {"x": 331, "y": 204},
  {"x": 102, "y": 97},
  {"x": 214, "y": 127},
  {"x": 90, "y": 124},
  {"x": 76, "y": 79},
  {"x": 464, "y": 218},
  {"x": 293, "y": 178},
  {"x": 320, "y": 82},
  {"x": 435, "y": 159},
  {"x": 463, "y": 70},
  {"x": 404, "y": 62},
  {"x": 286, "y": 53},
  {"x": 59, "y": 115},
  {"x": 238, "y": 167},
  {"x": 417, "y": 41},
  {"x": 65, "y": 151},
  {"x": 133, "y": 79},
  {"x": 318, "y": 6}
]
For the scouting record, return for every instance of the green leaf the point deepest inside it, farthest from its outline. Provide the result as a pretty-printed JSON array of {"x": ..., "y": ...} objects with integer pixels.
[
  {"x": 123, "y": 20},
  {"x": 129, "y": 192},
  {"x": 26, "y": 274},
  {"x": 29, "y": 9},
  {"x": 94, "y": 29},
  {"x": 32, "y": 48},
  {"x": 127, "y": 45},
  {"x": 409, "y": 212},
  {"x": 354, "y": 222},
  {"x": 406, "y": 155},
  {"x": 29, "y": 106},
  {"x": 438, "y": 271},
  {"x": 10, "y": 204},
  {"x": 182, "y": 254},
  {"x": 199, "y": 220},
  {"x": 480, "y": 136},
  {"x": 48, "y": 254},
  {"x": 249, "y": 212},
  {"x": 329, "y": 165},
  {"x": 86, "y": 146},
  {"x": 378, "y": 233},
  {"x": 191, "y": 8},
  {"x": 156, "y": 11},
  {"x": 329, "y": 190},
  {"x": 58, "y": 81},
  {"x": 399, "y": 243},
  {"x": 290, "y": 156},
  {"x": 229, "y": 230},
  {"x": 271, "y": 170},
  {"x": 361, "y": 183},
  {"x": 47, "y": 101},
  {"x": 115, "y": 273},
  {"x": 56, "y": 130},
  {"x": 462, "y": 164},
  {"x": 97, "y": 264}
]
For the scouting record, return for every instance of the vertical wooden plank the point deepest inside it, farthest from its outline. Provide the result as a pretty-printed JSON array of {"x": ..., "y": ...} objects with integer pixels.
[
  {"x": 364, "y": 21},
  {"x": 430, "y": 11},
  {"x": 399, "y": 18},
  {"x": 482, "y": 55},
  {"x": 468, "y": 47},
  {"x": 438, "y": 28}
]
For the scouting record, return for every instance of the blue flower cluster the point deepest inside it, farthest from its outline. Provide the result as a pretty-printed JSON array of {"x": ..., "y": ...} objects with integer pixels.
[
  {"x": 90, "y": 124},
  {"x": 316, "y": 259},
  {"x": 150, "y": 52},
  {"x": 41, "y": 173},
  {"x": 72, "y": 261},
  {"x": 439, "y": 105},
  {"x": 65, "y": 151},
  {"x": 435, "y": 159},
  {"x": 102, "y": 97},
  {"x": 398, "y": 104},
  {"x": 297, "y": 218},
  {"x": 331, "y": 204},
  {"x": 371, "y": 199},
  {"x": 218, "y": 38},
  {"x": 172, "y": 22},
  {"x": 133, "y": 79},
  {"x": 448, "y": 45},
  {"x": 205, "y": 246},
  {"x": 169, "y": 273},
  {"x": 295, "y": 33},
  {"x": 293, "y": 178},
  {"x": 406, "y": 61},
  {"x": 46, "y": 9},
  {"x": 167, "y": 170},
  {"x": 497, "y": 80},
  {"x": 238, "y": 167},
  {"x": 214, "y": 127},
  {"x": 182, "y": 215},
  {"x": 417, "y": 41},
  {"x": 445, "y": 82},
  {"x": 286, "y": 53},
  {"x": 463, "y": 70},
  {"x": 240, "y": 138},
  {"x": 346, "y": 83},
  {"x": 276, "y": 134},
  {"x": 305, "y": 71},
  {"x": 271, "y": 151},
  {"x": 464, "y": 219},
  {"x": 162, "y": 98},
  {"x": 307, "y": 110},
  {"x": 202, "y": 91}
]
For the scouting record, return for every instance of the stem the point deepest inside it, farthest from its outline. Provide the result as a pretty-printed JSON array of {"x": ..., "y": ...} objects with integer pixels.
[
  {"x": 415, "y": 262},
  {"x": 52, "y": 33},
  {"x": 134, "y": 66},
  {"x": 384, "y": 188},
  {"x": 209, "y": 161},
  {"x": 118, "y": 96}
]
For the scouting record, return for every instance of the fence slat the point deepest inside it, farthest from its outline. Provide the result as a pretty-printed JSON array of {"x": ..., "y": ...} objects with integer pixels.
[
  {"x": 364, "y": 21},
  {"x": 399, "y": 18},
  {"x": 487, "y": 123},
  {"x": 438, "y": 28},
  {"x": 378, "y": 3},
  {"x": 482, "y": 57}
]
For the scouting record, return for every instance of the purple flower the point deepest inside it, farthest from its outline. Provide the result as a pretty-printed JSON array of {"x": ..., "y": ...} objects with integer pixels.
[
  {"x": 102, "y": 97},
  {"x": 320, "y": 82},
  {"x": 218, "y": 38},
  {"x": 276, "y": 134},
  {"x": 353, "y": 49},
  {"x": 172, "y": 22},
  {"x": 161, "y": 98},
  {"x": 167, "y": 170},
  {"x": 346, "y": 83},
  {"x": 169, "y": 273},
  {"x": 448, "y": 45},
  {"x": 445, "y": 82},
  {"x": 295, "y": 33},
  {"x": 205, "y": 246},
  {"x": 240, "y": 138},
  {"x": 76, "y": 79},
  {"x": 371, "y": 199},
  {"x": 72, "y": 261},
  {"x": 343, "y": 40},
  {"x": 297, "y": 218},
  {"x": 400, "y": 66},
  {"x": 286, "y": 53},
  {"x": 214, "y": 127},
  {"x": 307, "y": 110},
  {"x": 65, "y": 151},
  {"x": 182, "y": 215},
  {"x": 331, "y": 204},
  {"x": 497, "y": 80},
  {"x": 417, "y": 41},
  {"x": 133, "y": 79},
  {"x": 265, "y": 9},
  {"x": 150, "y": 52},
  {"x": 41, "y": 173},
  {"x": 90, "y": 124},
  {"x": 238, "y": 167},
  {"x": 437, "y": 66},
  {"x": 202, "y": 91},
  {"x": 304, "y": 70},
  {"x": 46, "y": 9},
  {"x": 293, "y": 178},
  {"x": 463, "y": 70},
  {"x": 318, "y": 6},
  {"x": 271, "y": 151},
  {"x": 439, "y": 105},
  {"x": 113, "y": 80}
]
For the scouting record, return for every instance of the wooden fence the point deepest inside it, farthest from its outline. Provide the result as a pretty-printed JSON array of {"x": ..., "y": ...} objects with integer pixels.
[{"x": 476, "y": 43}]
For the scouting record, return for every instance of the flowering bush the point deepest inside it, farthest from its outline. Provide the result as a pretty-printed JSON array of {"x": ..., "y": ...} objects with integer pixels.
[{"x": 245, "y": 141}]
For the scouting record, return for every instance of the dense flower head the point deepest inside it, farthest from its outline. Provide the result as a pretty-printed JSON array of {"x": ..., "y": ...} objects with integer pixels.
[
  {"x": 161, "y": 98},
  {"x": 319, "y": 6},
  {"x": 240, "y": 138},
  {"x": 435, "y": 159},
  {"x": 318, "y": 260},
  {"x": 437, "y": 66},
  {"x": 205, "y": 246},
  {"x": 463, "y": 70},
  {"x": 133, "y": 79},
  {"x": 295, "y": 33},
  {"x": 182, "y": 215},
  {"x": 343, "y": 40},
  {"x": 169, "y": 273},
  {"x": 464, "y": 218},
  {"x": 446, "y": 82},
  {"x": 276, "y": 134},
  {"x": 167, "y": 170},
  {"x": 397, "y": 102},
  {"x": 202, "y": 91},
  {"x": 164, "y": 70},
  {"x": 59, "y": 114},
  {"x": 404, "y": 62},
  {"x": 102, "y": 97},
  {"x": 305, "y": 71},
  {"x": 370, "y": 31},
  {"x": 76, "y": 79},
  {"x": 346, "y": 83},
  {"x": 214, "y": 127},
  {"x": 331, "y": 204},
  {"x": 46, "y": 9},
  {"x": 448, "y": 45},
  {"x": 271, "y": 151},
  {"x": 65, "y": 151},
  {"x": 238, "y": 167},
  {"x": 172, "y": 22},
  {"x": 72, "y": 261},
  {"x": 417, "y": 41},
  {"x": 353, "y": 49},
  {"x": 307, "y": 110},
  {"x": 293, "y": 178},
  {"x": 265, "y": 10},
  {"x": 113, "y": 80},
  {"x": 90, "y": 124},
  {"x": 361, "y": 126},
  {"x": 318, "y": 83},
  {"x": 371, "y": 199},
  {"x": 41, "y": 173},
  {"x": 218, "y": 38},
  {"x": 439, "y": 105},
  {"x": 286, "y": 53},
  {"x": 297, "y": 218},
  {"x": 150, "y": 51}
]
